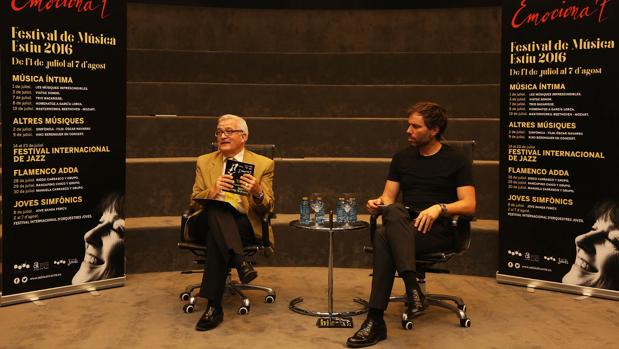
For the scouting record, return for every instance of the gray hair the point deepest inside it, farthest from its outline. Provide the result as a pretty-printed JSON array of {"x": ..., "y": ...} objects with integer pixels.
[{"x": 240, "y": 120}]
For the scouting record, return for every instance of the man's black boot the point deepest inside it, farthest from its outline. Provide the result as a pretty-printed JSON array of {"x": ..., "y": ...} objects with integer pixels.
[
  {"x": 415, "y": 301},
  {"x": 246, "y": 272},
  {"x": 371, "y": 332},
  {"x": 415, "y": 298},
  {"x": 211, "y": 318}
]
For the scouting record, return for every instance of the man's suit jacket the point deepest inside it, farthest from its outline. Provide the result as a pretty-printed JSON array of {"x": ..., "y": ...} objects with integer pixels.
[{"x": 210, "y": 166}]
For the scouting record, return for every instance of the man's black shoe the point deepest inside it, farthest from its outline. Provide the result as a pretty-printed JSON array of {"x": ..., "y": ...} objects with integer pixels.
[
  {"x": 370, "y": 333},
  {"x": 246, "y": 273},
  {"x": 416, "y": 302},
  {"x": 211, "y": 318}
]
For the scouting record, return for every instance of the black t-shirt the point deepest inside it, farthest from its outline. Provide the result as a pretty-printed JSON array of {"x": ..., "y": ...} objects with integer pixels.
[{"x": 429, "y": 180}]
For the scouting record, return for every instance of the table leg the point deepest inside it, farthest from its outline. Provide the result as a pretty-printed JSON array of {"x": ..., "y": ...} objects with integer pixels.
[
  {"x": 330, "y": 282},
  {"x": 330, "y": 314}
]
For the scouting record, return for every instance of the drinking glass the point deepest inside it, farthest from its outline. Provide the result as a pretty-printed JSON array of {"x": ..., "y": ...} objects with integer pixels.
[
  {"x": 347, "y": 207},
  {"x": 350, "y": 208},
  {"x": 317, "y": 205}
]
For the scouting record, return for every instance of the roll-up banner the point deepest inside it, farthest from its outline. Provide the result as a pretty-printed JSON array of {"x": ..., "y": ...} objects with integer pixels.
[
  {"x": 63, "y": 146},
  {"x": 559, "y": 171}
]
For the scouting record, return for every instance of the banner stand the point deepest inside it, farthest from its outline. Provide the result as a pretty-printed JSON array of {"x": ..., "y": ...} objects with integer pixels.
[
  {"x": 559, "y": 162},
  {"x": 557, "y": 286},
  {"x": 63, "y": 109},
  {"x": 61, "y": 291}
]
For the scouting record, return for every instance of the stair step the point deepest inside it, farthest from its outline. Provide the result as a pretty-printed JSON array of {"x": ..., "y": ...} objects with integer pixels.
[
  {"x": 162, "y": 136},
  {"x": 161, "y": 187},
  {"x": 274, "y": 30},
  {"x": 144, "y": 65},
  {"x": 306, "y": 100}
]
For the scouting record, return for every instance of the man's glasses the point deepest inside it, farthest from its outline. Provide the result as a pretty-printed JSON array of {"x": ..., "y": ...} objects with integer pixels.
[{"x": 228, "y": 132}]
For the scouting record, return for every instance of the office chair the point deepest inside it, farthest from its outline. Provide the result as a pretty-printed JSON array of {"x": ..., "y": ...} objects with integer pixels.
[
  {"x": 189, "y": 241},
  {"x": 426, "y": 262}
]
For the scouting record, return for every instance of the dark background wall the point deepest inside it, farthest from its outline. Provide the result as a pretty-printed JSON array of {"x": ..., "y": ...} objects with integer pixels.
[{"x": 328, "y": 83}]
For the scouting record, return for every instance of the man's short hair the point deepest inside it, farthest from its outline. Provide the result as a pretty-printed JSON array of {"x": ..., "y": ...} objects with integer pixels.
[
  {"x": 242, "y": 123},
  {"x": 433, "y": 114}
]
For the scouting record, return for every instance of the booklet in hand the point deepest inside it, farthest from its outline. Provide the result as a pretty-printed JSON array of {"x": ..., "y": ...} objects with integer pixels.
[{"x": 236, "y": 169}]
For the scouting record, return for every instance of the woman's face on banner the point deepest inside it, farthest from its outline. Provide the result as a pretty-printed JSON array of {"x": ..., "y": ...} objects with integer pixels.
[
  {"x": 104, "y": 254},
  {"x": 597, "y": 257}
]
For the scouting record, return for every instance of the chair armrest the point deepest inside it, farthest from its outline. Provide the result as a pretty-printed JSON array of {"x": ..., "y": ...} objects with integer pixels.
[
  {"x": 461, "y": 224},
  {"x": 462, "y": 228},
  {"x": 373, "y": 219},
  {"x": 462, "y": 217},
  {"x": 460, "y": 220},
  {"x": 266, "y": 222},
  {"x": 186, "y": 220}
]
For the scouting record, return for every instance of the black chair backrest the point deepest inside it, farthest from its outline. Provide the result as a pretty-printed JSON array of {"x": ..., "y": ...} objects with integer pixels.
[
  {"x": 267, "y": 150},
  {"x": 462, "y": 239},
  {"x": 462, "y": 224},
  {"x": 465, "y": 147}
]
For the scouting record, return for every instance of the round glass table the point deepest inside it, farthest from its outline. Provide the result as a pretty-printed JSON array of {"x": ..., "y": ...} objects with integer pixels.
[{"x": 332, "y": 317}]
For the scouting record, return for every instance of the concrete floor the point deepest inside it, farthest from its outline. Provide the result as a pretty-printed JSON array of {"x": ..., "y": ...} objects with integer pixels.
[{"x": 146, "y": 313}]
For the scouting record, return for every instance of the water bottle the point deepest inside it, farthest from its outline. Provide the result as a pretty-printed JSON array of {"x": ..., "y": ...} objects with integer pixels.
[
  {"x": 340, "y": 214},
  {"x": 352, "y": 215},
  {"x": 304, "y": 211}
]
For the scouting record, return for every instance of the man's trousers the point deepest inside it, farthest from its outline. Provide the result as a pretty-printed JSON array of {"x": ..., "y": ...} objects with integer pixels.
[
  {"x": 225, "y": 231},
  {"x": 395, "y": 248}
]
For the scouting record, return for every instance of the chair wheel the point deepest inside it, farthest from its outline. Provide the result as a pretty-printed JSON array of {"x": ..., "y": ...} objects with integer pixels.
[
  {"x": 243, "y": 310},
  {"x": 407, "y": 321},
  {"x": 462, "y": 307},
  {"x": 185, "y": 296},
  {"x": 188, "y": 308},
  {"x": 269, "y": 299},
  {"x": 465, "y": 322}
]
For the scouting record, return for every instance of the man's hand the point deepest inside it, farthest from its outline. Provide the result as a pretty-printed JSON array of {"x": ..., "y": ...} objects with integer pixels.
[
  {"x": 223, "y": 182},
  {"x": 426, "y": 218},
  {"x": 250, "y": 184},
  {"x": 373, "y": 206}
]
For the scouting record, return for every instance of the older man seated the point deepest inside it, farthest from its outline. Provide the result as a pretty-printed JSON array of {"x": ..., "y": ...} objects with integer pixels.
[{"x": 227, "y": 228}]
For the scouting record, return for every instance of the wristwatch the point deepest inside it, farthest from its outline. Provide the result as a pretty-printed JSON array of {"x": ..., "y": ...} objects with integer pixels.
[
  {"x": 443, "y": 209},
  {"x": 260, "y": 196}
]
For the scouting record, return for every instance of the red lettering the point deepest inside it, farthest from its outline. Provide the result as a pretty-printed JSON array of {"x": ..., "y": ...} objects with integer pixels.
[
  {"x": 522, "y": 16},
  {"x": 544, "y": 18},
  {"x": 570, "y": 12},
  {"x": 16, "y": 8},
  {"x": 601, "y": 17},
  {"x": 103, "y": 4},
  {"x": 78, "y": 5},
  {"x": 585, "y": 13},
  {"x": 515, "y": 25}
]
